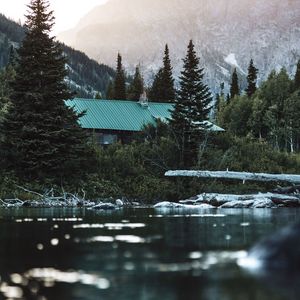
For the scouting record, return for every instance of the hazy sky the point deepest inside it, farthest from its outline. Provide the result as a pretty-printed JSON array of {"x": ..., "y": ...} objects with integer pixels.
[{"x": 67, "y": 12}]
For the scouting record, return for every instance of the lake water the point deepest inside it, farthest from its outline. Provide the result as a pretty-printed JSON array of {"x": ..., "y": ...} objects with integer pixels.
[{"x": 135, "y": 254}]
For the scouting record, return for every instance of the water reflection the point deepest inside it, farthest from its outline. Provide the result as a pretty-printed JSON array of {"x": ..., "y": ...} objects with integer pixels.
[{"x": 134, "y": 254}]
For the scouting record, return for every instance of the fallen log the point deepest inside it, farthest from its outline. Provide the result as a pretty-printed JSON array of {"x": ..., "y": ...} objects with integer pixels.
[{"x": 244, "y": 176}]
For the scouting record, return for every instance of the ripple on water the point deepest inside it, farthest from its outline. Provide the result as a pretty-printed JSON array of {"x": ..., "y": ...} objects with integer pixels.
[
  {"x": 188, "y": 215},
  {"x": 131, "y": 239},
  {"x": 110, "y": 226},
  {"x": 11, "y": 292},
  {"x": 48, "y": 277},
  {"x": 54, "y": 242},
  {"x": 52, "y": 275},
  {"x": 200, "y": 261},
  {"x": 27, "y": 220}
]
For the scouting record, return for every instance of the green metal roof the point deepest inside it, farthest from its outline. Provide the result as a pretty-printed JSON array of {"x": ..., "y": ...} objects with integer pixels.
[{"x": 119, "y": 114}]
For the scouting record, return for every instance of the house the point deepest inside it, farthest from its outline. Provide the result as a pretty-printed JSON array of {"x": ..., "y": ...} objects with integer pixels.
[{"x": 118, "y": 120}]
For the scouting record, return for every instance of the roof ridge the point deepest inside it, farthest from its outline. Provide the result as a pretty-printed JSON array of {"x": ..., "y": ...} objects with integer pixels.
[{"x": 116, "y": 100}]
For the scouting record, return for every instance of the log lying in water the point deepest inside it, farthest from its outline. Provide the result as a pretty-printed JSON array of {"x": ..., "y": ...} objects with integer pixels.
[{"x": 295, "y": 179}]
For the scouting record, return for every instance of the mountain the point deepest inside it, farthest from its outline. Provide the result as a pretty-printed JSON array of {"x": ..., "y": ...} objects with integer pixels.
[
  {"x": 227, "y": 34},
  {"x": 86, "y": 76}
]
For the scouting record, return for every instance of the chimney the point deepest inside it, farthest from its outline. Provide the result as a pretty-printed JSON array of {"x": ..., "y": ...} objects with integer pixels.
[{"x": 144, "y": 100}]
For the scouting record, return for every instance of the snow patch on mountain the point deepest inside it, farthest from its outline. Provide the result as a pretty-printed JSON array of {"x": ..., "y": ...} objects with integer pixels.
[{"x": 231, "y": 60}]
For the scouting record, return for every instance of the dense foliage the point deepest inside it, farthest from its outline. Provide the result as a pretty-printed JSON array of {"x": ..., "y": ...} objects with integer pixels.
[{"x": 271, "y": 114}]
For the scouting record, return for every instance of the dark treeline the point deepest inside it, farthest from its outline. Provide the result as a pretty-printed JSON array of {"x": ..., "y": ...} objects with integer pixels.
[
  {"x": 86, "y": 76},
  {"x": 87, "y": 72},
  {"x": 43, "y": 146},
  {"x": 13, "y": 30}
]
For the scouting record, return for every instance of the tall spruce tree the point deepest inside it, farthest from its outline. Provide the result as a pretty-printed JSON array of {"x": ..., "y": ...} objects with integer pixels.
[
  {"x": 136, "y": 88},
  {"x": 163, "y": 85},
  {"x": 156, "y": 91},
  {"x": 297, "y": 76},
  {"x": 42, "y": 137},
  {"x": 120, "y": 81},
  {"x": 168, "y": 80},
  {"x": 251, "y": 79},
  {"x": 192, "y": 107},
  {"x": 234, "y": 87}
]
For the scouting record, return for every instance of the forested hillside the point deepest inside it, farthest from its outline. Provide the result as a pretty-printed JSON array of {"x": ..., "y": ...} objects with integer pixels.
[
  {"x": 227, "y": 34},
  {"x": 86, "y": 76}
]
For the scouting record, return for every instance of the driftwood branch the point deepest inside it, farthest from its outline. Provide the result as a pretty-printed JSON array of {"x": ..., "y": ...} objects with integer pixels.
[
  {"x": 30, "y": 192},
  {"x": 3, "y": 203},
  {"x": 294, "y": 179}
]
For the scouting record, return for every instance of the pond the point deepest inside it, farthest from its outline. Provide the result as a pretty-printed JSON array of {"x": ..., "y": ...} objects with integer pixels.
[{"x": 134, "y": 254}]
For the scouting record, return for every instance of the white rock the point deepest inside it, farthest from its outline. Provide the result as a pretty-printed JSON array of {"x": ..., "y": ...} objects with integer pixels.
[
  {"x": 119, "y": 202},
  {"x": 263, "y": 203}
]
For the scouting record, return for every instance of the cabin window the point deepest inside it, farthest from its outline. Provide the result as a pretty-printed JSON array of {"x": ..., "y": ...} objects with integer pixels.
[{"x": 107, "y": 139}]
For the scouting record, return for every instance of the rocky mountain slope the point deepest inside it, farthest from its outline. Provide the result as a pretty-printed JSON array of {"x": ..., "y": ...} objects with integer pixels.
[
  {"x": 227, "y": 33},
  {"x": 86, "y": 76}
]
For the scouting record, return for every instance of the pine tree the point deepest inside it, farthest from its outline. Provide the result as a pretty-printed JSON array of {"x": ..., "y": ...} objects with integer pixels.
[
  {"x": 168, "y": 80},
  {"x": 188, "y": 119},
  {"x": 234, "y": 87},
  {"x": 156, "y": 91},
  {"x": 136, "y": 88},
  {"x": 251, "y": 79},
  {"x": 297, "y": 77},
  {"x": 42, "y": 137},
  {"x": 120, "y": 82},
  {"x": 163, "y": 85}
]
